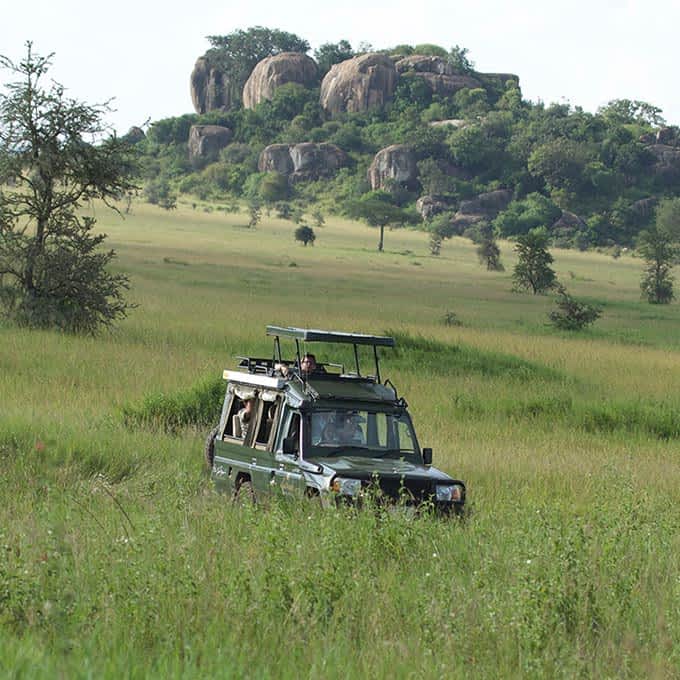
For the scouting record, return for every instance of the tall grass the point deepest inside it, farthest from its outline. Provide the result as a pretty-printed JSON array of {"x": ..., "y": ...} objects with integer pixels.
[{"x": 117, "y": 558}]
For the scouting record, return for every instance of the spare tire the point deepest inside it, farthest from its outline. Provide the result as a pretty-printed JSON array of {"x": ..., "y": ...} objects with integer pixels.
[{"x": 209, "y": 451}]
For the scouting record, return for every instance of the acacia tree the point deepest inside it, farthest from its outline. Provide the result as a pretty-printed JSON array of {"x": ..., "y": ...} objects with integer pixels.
[
  {"x": 58, "y": 155},
  {"x": 532, "y": 271},
  {"x": 376, "y": 209}
]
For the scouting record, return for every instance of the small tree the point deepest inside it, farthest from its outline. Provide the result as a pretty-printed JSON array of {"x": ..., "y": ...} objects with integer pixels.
[
  {"x": 318, "y": 218},
  {"x": 61, "y": 156},
  {"x": 659, "y": 253},
  {"x": 254, "y": 213},
  {"x": 488, "y": 252},
  {"x": 533, "y": 271},
  {"x": 660, "y": 249},
  {"x": 305, "y": 235},
  {"x": 570, "y": 314}
]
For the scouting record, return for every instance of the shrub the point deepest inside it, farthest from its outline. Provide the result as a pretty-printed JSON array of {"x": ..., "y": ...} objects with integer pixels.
[
  {"x": 305, "y": 234},
  {"x": 572, "y": 315}
]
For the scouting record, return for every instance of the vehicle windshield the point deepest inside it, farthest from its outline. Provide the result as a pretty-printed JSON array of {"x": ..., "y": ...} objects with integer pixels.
[{"x": 360, "y": 432}]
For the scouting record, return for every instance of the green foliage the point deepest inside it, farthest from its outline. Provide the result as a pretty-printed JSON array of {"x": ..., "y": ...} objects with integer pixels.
[
  {"x": 570, "y": 314},
  {"x": 522, "y": 216},
  {"x": 274, "y": 187},
  {"x": 159, "y": 192},
  {"x": 622, "y": 111},
  {"x": 199, "y": 406},
  {"x": 305, "y": 234},
  {"x": 53, "y": 272},
  {"x": 238, "y": 52},
  {"x": 659, "y": 253},
  {"x": 488, "y": 252},
  {"x": 377, "y": 210},
  {"x": 533, "y": 272},
  {"x": 329, "y": 54}
]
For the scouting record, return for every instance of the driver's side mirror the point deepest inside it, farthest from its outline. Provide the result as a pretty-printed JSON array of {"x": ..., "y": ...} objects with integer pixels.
[
  {"x": 427, "y": 456},
  {"x": 290, "y": 445}
]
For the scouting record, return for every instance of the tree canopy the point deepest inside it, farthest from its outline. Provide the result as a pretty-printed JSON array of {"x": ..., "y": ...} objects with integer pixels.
[{"x": 58, "y": 154}]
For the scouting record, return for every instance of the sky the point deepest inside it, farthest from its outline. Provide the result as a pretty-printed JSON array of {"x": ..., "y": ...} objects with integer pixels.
[{"x": 584, "y": 52}]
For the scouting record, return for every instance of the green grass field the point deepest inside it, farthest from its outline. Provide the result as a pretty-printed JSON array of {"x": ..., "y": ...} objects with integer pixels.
[{"x": 117, "y": 559}]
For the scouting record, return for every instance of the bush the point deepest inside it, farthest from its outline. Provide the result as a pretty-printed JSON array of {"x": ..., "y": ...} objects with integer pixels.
[
  {"x": 570, "y": 314},
  {"x": 305, "y": 235}
]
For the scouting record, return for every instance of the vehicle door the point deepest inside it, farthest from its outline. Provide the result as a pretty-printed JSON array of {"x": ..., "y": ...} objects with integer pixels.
[
  {"x": 263, "y": 464},
  {"x": 233, "y": 455},
  {"x": 287, "y": 477}
]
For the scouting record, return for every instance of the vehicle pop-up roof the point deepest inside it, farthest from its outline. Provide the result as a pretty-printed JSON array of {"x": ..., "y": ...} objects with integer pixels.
[{"x": 316, "y": 335}]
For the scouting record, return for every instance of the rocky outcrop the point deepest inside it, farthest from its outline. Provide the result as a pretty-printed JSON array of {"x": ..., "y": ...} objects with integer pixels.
[
  {"x": 568, "y": 223},
  {"x": 429, "y": 206},
  {"x": 209, "y": 87},
  {"x": 645, "y": 206},
  {"x": 276, "y": 158},
  {"x": 302, "y": 162},
  {"x": 437, "y": 72},
  {"x": 484, "y": 207},
  {"x": 134, "y": 135},
  {"x": 670, "y": 136},
  {"x": 206, "y": 141},
  {"x": 358, "y": 84},
  {"x": 452, "y": 122},
  {"x": 396, "y": 163},
  {"x": 488, "y": 204},
  {"x": 667, "y": 161},
  {"x": 272, "y": 72}
]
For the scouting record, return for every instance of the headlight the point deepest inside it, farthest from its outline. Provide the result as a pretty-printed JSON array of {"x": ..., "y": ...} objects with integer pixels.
[
  {"x": 451, "y": 493},
  {"x": 346, "y": 487}
]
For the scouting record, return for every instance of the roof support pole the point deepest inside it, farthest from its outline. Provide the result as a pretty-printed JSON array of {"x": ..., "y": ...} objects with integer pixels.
[
  {"x": 356, "y": 359},
  {"x": 377, "y": 363}
]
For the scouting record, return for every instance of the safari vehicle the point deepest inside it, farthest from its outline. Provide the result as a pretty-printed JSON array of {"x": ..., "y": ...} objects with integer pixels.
[{"x": 332, "y": 433}]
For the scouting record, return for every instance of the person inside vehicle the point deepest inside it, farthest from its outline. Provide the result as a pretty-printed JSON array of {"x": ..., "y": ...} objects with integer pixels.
[
  {"x": 308, "y": 364},
  {"x": 246, "y": 415},
  {"x": 343, "y": 429}
]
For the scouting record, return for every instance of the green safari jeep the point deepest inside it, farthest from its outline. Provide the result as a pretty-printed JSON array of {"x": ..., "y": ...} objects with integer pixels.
[{"x": 290, "y": 428}]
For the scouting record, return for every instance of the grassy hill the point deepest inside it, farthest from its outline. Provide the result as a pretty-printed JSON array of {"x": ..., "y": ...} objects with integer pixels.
[{"x": 118, "y": 559}]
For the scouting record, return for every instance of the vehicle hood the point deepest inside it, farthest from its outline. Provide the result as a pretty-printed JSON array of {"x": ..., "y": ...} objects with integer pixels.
[{"x": 360, "y": 467}]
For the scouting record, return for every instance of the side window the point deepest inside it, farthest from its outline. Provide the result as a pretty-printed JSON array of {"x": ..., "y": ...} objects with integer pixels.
[
  {"x": 241, "y": 417},
  {"x": 288, "y": 439},
  {"x": 267, "y": 423}
]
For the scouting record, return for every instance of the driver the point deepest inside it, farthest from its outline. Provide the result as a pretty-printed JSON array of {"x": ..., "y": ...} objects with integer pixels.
[{"x": 344, "y": 429}]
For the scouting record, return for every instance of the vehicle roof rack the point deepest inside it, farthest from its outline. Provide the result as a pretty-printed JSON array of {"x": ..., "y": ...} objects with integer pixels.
[{"x": 317, "y": 335}]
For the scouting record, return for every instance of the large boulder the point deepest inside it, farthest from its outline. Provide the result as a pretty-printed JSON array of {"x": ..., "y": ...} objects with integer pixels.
[
  {"x": 437, "y": 72},
  {"x": 429, "y": 206},
  {"x": 358, "y": 84},
  {"x": 488, "y": 204},
  {"x": 396, "y": 163},
  {"x": 302, "y": 162},
  {"x": 272, "y": 72},
  {"x": 276, "y": 158},
  {"x": 209, "y": 88},
  {"x": 482, "y": 208},
  {"x": 451, "y": 122},
  {"x": 669, "y": 136},
  {"x": 206, "y": 141},
  {"x": 667, "y": 163},
  {"x": 644, "y": 207}
]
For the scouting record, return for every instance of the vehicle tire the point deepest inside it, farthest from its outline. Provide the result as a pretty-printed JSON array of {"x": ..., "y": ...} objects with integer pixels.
[
  {"x": 209, "y": 450},
  {"x": 244, "y": 494}
]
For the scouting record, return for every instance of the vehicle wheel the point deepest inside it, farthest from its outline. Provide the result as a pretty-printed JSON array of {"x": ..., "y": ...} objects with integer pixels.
[
  {"x": 245, "y": 494},
  {"x": 209, "y": 450}
]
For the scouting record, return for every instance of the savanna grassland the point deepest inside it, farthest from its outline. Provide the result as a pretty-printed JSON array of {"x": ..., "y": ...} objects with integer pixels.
[{"x": 117, "y": 559}]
